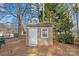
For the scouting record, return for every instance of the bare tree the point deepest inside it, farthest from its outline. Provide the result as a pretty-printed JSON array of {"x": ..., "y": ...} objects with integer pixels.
[
  {"x": 19, "y": 19},
  {"x": 19, "y": 16}
]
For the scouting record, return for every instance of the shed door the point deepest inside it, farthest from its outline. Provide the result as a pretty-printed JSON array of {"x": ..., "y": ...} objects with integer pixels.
[{"x": 32, "y": 36}]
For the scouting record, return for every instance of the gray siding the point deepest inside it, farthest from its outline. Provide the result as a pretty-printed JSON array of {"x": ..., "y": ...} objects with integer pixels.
[{"x": 42, "y": 41}]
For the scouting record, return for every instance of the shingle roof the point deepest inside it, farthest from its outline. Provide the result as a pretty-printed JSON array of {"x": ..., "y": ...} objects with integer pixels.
[{"x": 40, "y": 25}]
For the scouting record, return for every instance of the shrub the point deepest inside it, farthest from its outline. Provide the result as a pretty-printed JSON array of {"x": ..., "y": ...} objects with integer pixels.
[
  {"x": 16, "y": 34},
  {"x": 66, "y": 37},
  {"x": 2, "y": 41}
]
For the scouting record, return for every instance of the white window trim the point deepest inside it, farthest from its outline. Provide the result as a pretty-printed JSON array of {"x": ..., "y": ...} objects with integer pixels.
[{"x": 42, "y": 32}]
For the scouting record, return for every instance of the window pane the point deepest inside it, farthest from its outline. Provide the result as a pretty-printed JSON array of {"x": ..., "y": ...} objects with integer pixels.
[
  {"x": 44, "y": 33},
  {"x": 44, "y": 30}
]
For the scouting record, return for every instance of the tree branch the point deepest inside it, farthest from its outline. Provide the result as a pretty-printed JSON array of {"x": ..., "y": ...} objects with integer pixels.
[
  {"x": 11, "y": 13},
  {"x": 24, "y": 9},
  {"x": 7, "y": 11},
  {"x": 2, "y": 18}
]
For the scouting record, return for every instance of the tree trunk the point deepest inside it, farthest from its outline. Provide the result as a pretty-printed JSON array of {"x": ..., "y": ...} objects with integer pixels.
[
  {"x": 50, "y": 18},
  {"x": 77, "y": 22},
  {"x": 43, "y": 14},
  {"x": 77, "y": 16},
  {"x": 19, "y": 18},
  {"x": 30, "y": 14}
]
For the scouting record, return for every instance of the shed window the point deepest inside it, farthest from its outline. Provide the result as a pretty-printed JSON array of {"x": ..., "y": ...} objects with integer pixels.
[{"x": 44, "y": 33}]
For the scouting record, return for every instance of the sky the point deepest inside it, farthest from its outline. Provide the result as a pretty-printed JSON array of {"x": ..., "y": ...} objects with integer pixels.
[{"x": 12, "y": 7}]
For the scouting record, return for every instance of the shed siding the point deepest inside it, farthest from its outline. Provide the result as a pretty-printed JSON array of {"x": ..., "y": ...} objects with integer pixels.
[
  {"x": 42, "y": 41},
  {"x": 45, "y": 41}
]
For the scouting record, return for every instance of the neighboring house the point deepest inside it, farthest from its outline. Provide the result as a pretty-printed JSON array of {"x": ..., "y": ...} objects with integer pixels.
[
  {"x": 5, "y": 31},
  {"x": 39, "y": 33}
]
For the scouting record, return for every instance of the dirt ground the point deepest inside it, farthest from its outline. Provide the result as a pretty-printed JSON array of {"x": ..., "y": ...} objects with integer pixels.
[{"x": 15, "y": 47}]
